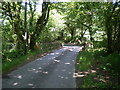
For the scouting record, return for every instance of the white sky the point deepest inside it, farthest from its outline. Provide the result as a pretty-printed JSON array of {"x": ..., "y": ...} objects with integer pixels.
[
  {"x": 64, "y": 0},
  {"x": 39, "y": 6}
]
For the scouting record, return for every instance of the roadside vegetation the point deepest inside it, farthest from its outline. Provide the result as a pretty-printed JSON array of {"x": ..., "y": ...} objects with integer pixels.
[
  {"x": 98, "y": 69},
  {"x": 85, "y": 60}
]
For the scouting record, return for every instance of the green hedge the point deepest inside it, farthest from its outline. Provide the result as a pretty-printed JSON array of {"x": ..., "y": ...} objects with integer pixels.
[{"x": 10, "y": 56}]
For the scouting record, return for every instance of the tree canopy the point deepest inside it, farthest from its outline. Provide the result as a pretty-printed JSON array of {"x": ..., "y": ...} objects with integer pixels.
[{"x": 75, "y": 22}]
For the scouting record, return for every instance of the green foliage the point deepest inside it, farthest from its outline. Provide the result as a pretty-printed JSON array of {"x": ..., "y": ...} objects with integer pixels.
[
  {"x": 77, "y": 22},
  {"x": 105, "y": 62},
  {"x": 84, "y": 20},
  {"x": 112, "y": 27},
  {"x": 111, "y": 62},
  {"x": 100, "y": 44},
  {"x": 89, "y": 82},
  {"x": 108, "y": 62},
  {"x": 85, "y": 60},
  {"x": 10, "y": 56},
  {"x": 51, "y": 31}
]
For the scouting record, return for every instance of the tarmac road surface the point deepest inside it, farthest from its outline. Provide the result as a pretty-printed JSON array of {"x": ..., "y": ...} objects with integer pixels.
[{"x": 55, "y": 70}]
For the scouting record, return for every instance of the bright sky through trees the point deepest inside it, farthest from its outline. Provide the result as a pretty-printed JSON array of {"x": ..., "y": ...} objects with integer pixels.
[{"x": 39, "y": 6}]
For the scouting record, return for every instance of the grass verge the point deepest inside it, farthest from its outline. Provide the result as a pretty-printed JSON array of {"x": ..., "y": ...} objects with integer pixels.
[
  {"x": 85, "y": 60},
  {"x": 8, "y": 66},
  {"x": 96, "y": 69}
]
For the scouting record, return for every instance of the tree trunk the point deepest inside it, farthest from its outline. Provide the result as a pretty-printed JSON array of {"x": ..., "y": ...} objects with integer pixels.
[
  {"x": 108, "y": 27},
  {"x": 25, "y": 30},
  {"x": 41, "y": 22},
  {"x": 32, "y": 43}
]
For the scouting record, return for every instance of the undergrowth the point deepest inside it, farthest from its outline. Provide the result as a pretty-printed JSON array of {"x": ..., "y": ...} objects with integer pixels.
[
  {"x": 85, "y": 59},
  {"x": 106, "y": 68}
]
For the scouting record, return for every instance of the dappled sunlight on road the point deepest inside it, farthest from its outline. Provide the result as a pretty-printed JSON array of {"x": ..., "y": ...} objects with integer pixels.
[
  {"x": 67, "y": 63},
  {"x": 39, "y": 70},
  {"x": 15, "y": 83},
  {"x": 32, "y": 69},
  {"x": 57, "y": 61},
  {"x": 30, "y": 84},
  {"x": 53, "y": 53},
  {"x": 45, "y": 71},
  {"x": 63, "y": 77},
  {"x": 18, "y": 76}
]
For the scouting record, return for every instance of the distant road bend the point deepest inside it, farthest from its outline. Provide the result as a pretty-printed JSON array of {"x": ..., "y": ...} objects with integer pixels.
[{"x": 55, "y": 70}]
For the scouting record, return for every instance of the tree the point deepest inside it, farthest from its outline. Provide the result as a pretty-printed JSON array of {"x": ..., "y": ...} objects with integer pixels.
[
  {"x": 13, "y": 10},
  {"x": 112, "y": 27},
  {"x": 25, "y": 29},
  {"x": 41, "y": 22}
]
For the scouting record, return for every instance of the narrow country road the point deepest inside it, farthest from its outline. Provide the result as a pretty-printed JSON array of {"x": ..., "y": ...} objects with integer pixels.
[{"x": 55, "y": 70}]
